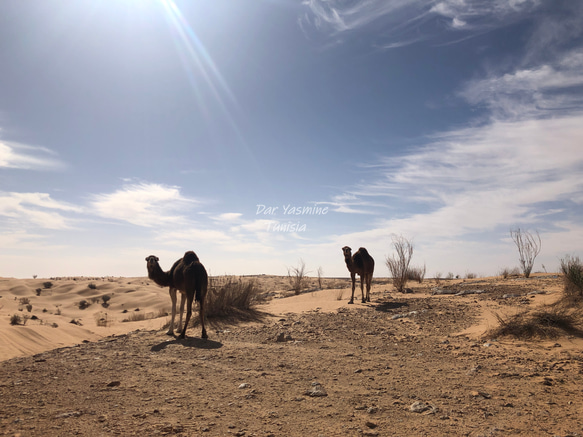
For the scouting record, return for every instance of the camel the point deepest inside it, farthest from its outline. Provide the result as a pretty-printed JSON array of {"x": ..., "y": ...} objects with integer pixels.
[
  {"x": 188, "y": 276},
  {"x": 360, "y": 263}
]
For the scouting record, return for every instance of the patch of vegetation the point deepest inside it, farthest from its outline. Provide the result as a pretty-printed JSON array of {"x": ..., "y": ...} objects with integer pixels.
[
  {"x": 84, "y": 305},
  {"x": 572, "y": 270},
  {"x": 297, "y": 277},
  {"x": 38, "y": 291},
  {"x": 47, "y": 285},
  {"x": 24, "y": 301},
  {"x": 398, "y": 264},
  {"x": 547, "y": 323},
  {"x": 92, "y": 286},
  {"x": 15, "y": 319},
  {"x": 232, "y": 296},
  {"x": 507, "y": 272},
  {"x": 416, "y": 273},
  {"x": 106, "y": 298}
]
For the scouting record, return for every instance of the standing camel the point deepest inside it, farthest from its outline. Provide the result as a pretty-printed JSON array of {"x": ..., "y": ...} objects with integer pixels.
[
  {"x": 188, "y": 276},
  {"x": 360, "y": 263}
]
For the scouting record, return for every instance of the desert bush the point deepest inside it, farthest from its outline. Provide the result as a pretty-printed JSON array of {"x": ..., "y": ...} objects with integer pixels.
[
  {"x": 106, "y": 298},
  {"x": 232, "y": 296},
  {"x": 297, "y": 277},
  {"x": 529, "y": 247},
  {"x": 549, "y": 322},
  {"x": 399, "y": 264},
  {"x": 15, "y": 319},
  {"x": 92, "y": 286},
  {"x": 416, "y": 273},
  {"x": 38, "y": 291},
  {"x": 48, "y": 285},
  {"x": 450, "y": 276},
  {"x": 471, "y": 275},
  {"x": 84, "y": 304},
  {"x": 29, "y": 308},
  {"x": 572, "y": 270},
  {"x": 320, "y": 273},
  {"x": 24, "y": 301},
  {"x": 507, "y": 272}
]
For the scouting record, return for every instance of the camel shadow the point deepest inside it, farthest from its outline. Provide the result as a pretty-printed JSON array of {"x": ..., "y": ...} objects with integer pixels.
[
  {"x": 194, "y": 342},
  {"x": 390, "y": 305}
]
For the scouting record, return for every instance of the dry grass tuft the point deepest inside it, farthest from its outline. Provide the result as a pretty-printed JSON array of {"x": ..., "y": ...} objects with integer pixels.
[
  {"x": 549, "y": 322},
  {"x": 228, "y": 296}
]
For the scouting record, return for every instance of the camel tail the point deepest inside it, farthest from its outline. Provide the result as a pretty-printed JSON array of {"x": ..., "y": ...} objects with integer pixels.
[{"x": 201, "y": 285}]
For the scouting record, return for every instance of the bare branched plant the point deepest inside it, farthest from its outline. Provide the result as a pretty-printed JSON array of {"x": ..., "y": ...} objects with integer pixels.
[
  {"x": 572, "y": 270},
  {"x": 398, "y": 264},
  {"x": 320, "y": 273},
  {"x": 297, "y": 276},
  {"x": 529, "y": 247}
]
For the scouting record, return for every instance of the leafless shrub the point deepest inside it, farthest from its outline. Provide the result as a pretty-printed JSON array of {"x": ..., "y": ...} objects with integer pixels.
[
  {"x": 471, "y": 275},
  {"x": 450, "y": 276},
  {"x": 416, "y": 273},
  {"x": 529, "y": 247},
  {"x": 399, "y": 264},
  {"x": 339, "y": 294},
  {"x": 297, "y": 276},
  {"x": 320, "y": 273},
  {"x": 29, "y": 308},
  {"x": 232, "y": 296},
  {"x": 507, "y": 272},
  {"x": 572, "y": 270},
  {"x": 549, "y": 322}
]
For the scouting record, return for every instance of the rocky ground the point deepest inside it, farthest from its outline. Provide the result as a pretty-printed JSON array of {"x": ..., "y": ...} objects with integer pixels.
[{"x": 401, "y": 366}]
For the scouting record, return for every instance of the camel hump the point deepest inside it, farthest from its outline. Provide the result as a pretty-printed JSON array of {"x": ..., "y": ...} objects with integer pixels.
[
  {"x": 363, "y": 251},
  {"x": 189, "y": 257}
]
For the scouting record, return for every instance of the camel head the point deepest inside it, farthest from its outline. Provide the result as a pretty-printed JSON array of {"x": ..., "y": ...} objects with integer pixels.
[
  {"x": 152, "y": 263},
  {"x": 347, "y": 251}
]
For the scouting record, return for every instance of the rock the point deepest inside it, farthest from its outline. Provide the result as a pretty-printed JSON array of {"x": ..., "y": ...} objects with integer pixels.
[
  {"x": 476, "y": 394},
  {"x": 316, "y": 391},
  {"x": 244, "y": 385},
  {"x": 371, "y": 425},
  {"x": 114, "y": 384},
  {"x": 419, "y": 407}
]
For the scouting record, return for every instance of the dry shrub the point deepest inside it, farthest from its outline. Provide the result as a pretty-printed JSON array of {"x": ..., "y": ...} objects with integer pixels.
[
  {"x": 507, "y": 272},
  {"x": 231, "y": 296},
  {"x": 564, "y": 317},
  {"x": 399, "y": 264},
  {"x": 297, "y": 277},
  {"x": 15, "y": 319},
  {"x": 416, "y": 273},
  {"x": 572, "y": 270}
]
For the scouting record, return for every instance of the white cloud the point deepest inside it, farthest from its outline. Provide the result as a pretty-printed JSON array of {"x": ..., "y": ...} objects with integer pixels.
[
  {"x": 144, "y": 204},
  {"x": 37, "y": 209},
  {"x": 13, "y": 155},
  {"x": 401, "y": 22}
]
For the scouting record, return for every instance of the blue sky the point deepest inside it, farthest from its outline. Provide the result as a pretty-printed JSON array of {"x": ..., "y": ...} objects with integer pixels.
[{"x": 262, "y": 132}]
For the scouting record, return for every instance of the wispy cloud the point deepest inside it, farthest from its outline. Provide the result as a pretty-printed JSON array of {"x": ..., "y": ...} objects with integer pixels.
[
  {"x": 37, "y": 209},
  {"x": 144, "y": 204},
  {"x": 19, "y": 156},
  {"x": 402, "y": 22},
  {"x": 544, "y": 90}
]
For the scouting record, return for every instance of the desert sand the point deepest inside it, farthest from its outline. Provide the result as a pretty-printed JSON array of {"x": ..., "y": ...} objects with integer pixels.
[{"x": 404, "y": 364}]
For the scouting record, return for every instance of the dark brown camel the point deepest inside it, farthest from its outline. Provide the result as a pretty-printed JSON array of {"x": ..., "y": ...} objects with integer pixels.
[
  {"x": 360, "y": 263},
  {"x": 188, "y": 276}
]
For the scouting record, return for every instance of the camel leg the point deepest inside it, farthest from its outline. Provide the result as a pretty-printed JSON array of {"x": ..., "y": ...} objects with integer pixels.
[
  {"x": 182, "y": 302},
  {"x": 362, "y": 279},
  {"x": 201, "y": 317},
  {"x": 188, "y": 315},
  {"x": 353, "y": 277},
  {"x": 368, "y": 284},
  {"x": 173, "y": 298}
]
